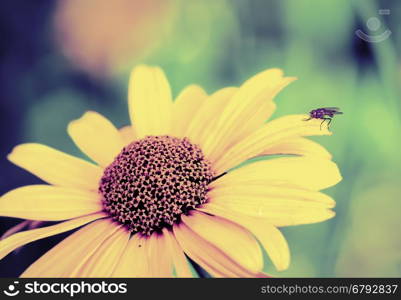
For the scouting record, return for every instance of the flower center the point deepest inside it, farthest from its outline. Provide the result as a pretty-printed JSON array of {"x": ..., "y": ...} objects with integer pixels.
[{"x": 153, "y": 181}]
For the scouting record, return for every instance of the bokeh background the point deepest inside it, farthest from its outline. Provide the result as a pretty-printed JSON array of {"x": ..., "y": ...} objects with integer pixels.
[{"x": 61, "y": 58}]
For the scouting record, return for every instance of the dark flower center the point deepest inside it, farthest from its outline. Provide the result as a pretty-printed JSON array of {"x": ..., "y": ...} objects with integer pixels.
[{"x": 153, "y": 181}]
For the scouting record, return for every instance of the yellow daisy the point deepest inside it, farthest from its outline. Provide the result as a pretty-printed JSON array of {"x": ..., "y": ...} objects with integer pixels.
[{"x": 167, "y": 188}]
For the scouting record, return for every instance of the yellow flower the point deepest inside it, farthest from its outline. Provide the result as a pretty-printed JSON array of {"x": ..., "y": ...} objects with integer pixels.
[{"x": 166, "y": 187}]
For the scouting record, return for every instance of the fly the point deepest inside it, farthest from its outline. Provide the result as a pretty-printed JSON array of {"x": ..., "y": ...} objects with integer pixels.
[{"x": 325, "y": 114}]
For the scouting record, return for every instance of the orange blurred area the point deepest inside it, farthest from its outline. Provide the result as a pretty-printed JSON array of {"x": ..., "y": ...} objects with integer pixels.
[{"x": 99, "y": 35}]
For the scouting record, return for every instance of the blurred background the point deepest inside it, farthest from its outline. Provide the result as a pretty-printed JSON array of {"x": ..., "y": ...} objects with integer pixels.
[{"x": 61, "y": 58}]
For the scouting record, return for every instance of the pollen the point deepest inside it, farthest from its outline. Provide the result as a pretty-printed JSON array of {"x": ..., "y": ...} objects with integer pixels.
[{"x": 153, "y": 181}]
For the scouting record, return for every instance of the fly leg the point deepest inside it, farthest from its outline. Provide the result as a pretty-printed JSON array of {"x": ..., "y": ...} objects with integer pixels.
[
  {"x": 310, "y": 118},
  {"x": 328, "y": 123}
]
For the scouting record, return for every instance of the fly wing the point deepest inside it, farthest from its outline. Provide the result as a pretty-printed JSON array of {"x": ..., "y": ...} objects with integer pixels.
[{"x": 333, "y": 110}]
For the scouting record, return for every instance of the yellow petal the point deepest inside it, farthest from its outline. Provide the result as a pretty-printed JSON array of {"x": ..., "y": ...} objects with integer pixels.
[
  {"x": 68, "y": 256},
  {"x": 28, "y": 224},
  {"x": 150, "y": 102},
  {"x": 145, "y": 257},
  {"x": 49, "y": 203},
  {"x": 97, "y": 137},
  {"x": 272, "y": 195},
  {"x": 216, "y": 261},
  {"x": 159, "y": 256},
  {"x": 128, "y": 134},
  {"x": 134, "y": 262},
  {"x": 224, "y": 235},
  {"x": 15, "y": 229},
  {"x": 106, "y": 257},
  {"x": 185, "y": 107},
  {"x": 181, "y": 264},
  {"x": 279, "y": 211},
  {"x": 305, "y": 172},
  {"x": 269, "y": 236},
  {"x": 247, "y": 110},
  {"x": 21, "y": 238},
  {"x": 232, "y": 240},
  {"x": 205, "y": 255},
  {"x": 268, "y": 136},
  {"x": 56, "y": 167},
  {"x": 298, "y": 146},
  {"x": 203, "y": 122}
]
